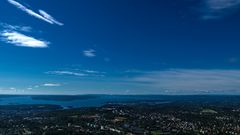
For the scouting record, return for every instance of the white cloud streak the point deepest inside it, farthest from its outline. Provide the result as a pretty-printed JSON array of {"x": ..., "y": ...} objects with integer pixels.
[
  {"x": 42, "y": 16},
  {"x": 65, "y": 73},
  {"x": 89, "y": 53},
  {"x": 49, "y": 17},
  {"x": 11, "y": 90},
  {"x": 52, "y": 85},
  {"x": 93, "y": 72},
  {"x": 22, "y": 40},
  {"x": 215, "y": 9},
  {"x": 191, "y": 81},
  {"x": 81, "y": 73},
  {"x": 16, "y": 27}
]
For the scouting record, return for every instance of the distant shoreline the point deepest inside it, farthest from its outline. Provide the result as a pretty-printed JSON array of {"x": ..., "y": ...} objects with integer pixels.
[{"x": 120, "y": 95}]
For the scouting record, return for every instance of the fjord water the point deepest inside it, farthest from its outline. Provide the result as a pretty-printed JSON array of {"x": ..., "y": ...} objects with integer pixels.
[
  {"x": 73, "y": 101},
  {"x": 100, "y": 100}
]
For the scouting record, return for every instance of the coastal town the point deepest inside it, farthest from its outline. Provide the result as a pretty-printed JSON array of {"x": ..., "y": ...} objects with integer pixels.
[{"x": 136, "y": 118}]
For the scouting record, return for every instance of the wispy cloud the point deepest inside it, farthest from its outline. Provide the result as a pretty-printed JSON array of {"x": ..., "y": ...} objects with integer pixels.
[
  {"x": 16, "y": 27},
  {"x": 49, "y": 17},
  {"x": 11, "y": 90},
  {"x": 89, "y": 53},
  {"x": 42, "y": 15},
  {"x": 215, "y": 9},
  {"x": 90, "y": 71},
  {"x": 65, "y": 73},
  {"x": 233, "y": 60},
  {"x": 22, "y": 40},
  {"x": 190, "y": 81},
  {"x": 79, "y": 73},
  {"x": 52, "y": 85},
  {"x": 93, "y": 72}
]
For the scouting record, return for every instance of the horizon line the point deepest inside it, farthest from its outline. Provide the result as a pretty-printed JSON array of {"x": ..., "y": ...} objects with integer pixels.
[{"x": 120, "y": 94}]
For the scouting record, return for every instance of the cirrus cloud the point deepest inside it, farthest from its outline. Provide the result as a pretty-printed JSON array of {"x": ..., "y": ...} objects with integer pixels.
[
  {"x": 190, "y": 80},
  {"x": 52, "y": 85},
  {"x": 89, "y": 53},
  {"x": 65, "y": 73},
  {"x": 16, "y": 27},
  {"x": 79, "y": 73},
  {"x": 42, "y": 15},
  {"x": 19, "y": 39},
  {"x": 215, "y": 9}
]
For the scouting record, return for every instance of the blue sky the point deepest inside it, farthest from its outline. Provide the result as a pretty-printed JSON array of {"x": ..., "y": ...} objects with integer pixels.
[{"x": 119, "y": 47}]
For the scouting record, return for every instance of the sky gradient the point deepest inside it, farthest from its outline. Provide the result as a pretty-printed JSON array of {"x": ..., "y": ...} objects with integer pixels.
[{"x": 119, "y": 47}]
